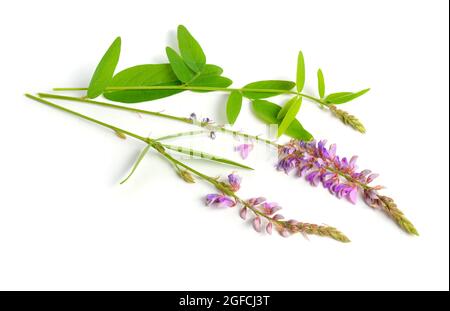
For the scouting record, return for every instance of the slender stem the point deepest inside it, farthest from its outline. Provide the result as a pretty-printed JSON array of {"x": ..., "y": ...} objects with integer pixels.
[
  {"x": 85, "y": 100},
  {"x": 162, "y": 115},
  {"x": 190, "y": 133},
  {"x": 174, "y": 161},
  {"x": 193, "y": 88},
  {"x": 159, "y": 148},
  {"x": 150, "y": 141},
  {"x": 115, "y": 128}
]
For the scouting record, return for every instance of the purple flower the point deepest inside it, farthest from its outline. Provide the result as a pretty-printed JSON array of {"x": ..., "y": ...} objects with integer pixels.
[
  {"x": 256, "y": 201},
  {"x": 320, "y": 164},
  {"x": 193, "y": 116},
  {"x": 313, "y": 178},
  {"x": 219, "y": 200},
  {"x": 287, "y": 164},
  {"x": 244, "y": 150},
  {"x": 353, "y": 195},
  {"x": 235, "y": 182},
  {"x": 269, "y": 208}
]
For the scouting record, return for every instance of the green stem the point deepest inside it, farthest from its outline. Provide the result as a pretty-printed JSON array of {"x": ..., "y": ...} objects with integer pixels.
[
  {"x": 149, "y": 141},
  {"x": 115, "y": 128},
  {"x": 190, "y": 133},
  {"x": 161, "y": 115},
  {"x": 160, "y": 149},
  {"x": 103, "y": 104},
  {"x": 193, "y": 88}
]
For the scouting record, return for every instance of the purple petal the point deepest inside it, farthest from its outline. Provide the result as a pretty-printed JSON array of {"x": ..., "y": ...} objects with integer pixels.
[
  {"x": 313, "y": 178},
  {"x": 332, "y": 151},
  {"x": 284, "y": 233},
  {"x": 211, "y": 198},
  {"x": 371, "y": 177},
  {"x": 219, "y": 200},
  {"x": 256, "y": 201},
  {"x": 278, "y": 217},
  {"x": 243, "y": 213},
  {"x": 234, "y": 181},
  {"x": 353, "y": 195},
  {"x": 269, "y": 228},
  {"x": 244, "y": 150},
  {"x": 257, "y": 224},
  {"x": 352, "y": 163}
]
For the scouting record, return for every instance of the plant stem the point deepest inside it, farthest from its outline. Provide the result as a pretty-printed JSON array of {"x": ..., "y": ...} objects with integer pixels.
[
  {"x": 193, "y": 88},
  {"x": 161, "y": 115},
  {"x": 313, "y": 229},
  {"x": 84, "y": 100},
  {"x": 112, "y": 127},
  {"x": 190, "y": 133}
]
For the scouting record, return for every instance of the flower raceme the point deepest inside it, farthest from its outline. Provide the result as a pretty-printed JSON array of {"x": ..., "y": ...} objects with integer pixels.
[
  {"x": 320, "y": 164},
  {"x": 265, "y": 216}
]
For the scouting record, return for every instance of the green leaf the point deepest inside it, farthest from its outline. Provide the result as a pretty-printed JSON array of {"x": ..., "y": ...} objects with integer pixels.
[
  {"x": 290, "y": 116},
  {"x": 286, "y": 107},
  {"x": 105, "y": 70},
  {"x": 344, "y": 97},
  {"x": 211, "y": 70},
  {"x": 136, "y": 164},
  {"x": 211, "y": 81},
  {"x": 143, "y": 75},
  {"x": 321, "y": 83},
  {"x": 272, "y": 87},
  {"x": 300, "y": 72},
  {"x": 180, "y": 69},
  {"x": 333, "y": 96},
  {"x": 267, "y": 112},
  {"x": 234, "y": 105},
  {"x": 207, "y": 156},
  {"x": 190, "y": 50}
]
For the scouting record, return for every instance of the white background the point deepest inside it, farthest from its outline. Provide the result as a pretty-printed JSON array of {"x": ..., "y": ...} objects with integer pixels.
[{"x": 66, "y": 223}]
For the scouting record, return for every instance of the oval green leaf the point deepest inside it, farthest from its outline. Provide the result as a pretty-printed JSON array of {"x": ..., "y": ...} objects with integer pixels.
[
  {"x": 105, "y": 70},
  {"x": 268, "y": 88},
  {"x": 321, "y": 83},
  {"x": 211, "y": 70},
  {"x": 190, "y": 50},
  {"x": 300, "y": 72},
  {"x": 143, "y": 75},
  {"x": 286, "y": 107},
  {"x": 180, "y": 69},
  {"x": 290, "y": 116},
  {"x": 234, "y": 105},
  {"x": 267, "y": 112},
  {"x": 344, "y": 97}
]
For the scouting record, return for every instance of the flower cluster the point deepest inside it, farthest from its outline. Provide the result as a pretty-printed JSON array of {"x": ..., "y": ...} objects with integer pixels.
[
  {"x": 320, "y": 164},
  {"x": 265, "y": 214}
]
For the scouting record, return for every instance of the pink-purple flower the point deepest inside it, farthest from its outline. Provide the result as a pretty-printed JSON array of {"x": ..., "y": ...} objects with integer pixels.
[
  {"x": 234, "y": 181},
  {"x": 219, "y": 200},
  {"x": 320, "y": 165},
  {"x": 244, "y": 150}
]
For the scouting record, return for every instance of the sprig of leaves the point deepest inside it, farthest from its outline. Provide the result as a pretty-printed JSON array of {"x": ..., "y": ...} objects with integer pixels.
[{"x": 187, "y": 69}]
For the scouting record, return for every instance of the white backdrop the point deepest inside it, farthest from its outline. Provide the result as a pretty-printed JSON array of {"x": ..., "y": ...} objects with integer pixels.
[{"x": 66, "y": 223}]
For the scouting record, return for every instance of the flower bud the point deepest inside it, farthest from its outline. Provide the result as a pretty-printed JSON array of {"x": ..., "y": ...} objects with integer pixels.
[{"x": 257, "y": 224}]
